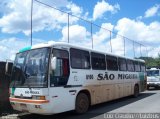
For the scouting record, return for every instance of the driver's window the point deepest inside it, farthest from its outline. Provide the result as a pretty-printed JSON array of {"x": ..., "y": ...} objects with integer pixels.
[{"x": 60, "y": 73}]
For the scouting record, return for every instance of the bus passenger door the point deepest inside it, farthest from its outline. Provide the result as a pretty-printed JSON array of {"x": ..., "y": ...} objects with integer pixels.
[{"x": 59, "y": 73}]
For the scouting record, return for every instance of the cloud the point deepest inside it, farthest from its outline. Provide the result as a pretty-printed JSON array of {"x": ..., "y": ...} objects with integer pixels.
[
  {"x": 81, "y": 36},
  {"x": 10, "y": 46},
  {"x": 77, "y": 33},
  {"x": 101, "y": 37},
  {"x": 102, "y": 7},
  {"x": 153, "y": 52},
  {"x": 148, "y": 34},
  {"x": 74, "y": 9},
  {"x": 3, "y": 4},
  {"x": 102, "y": 33},
  {"x": 44, "y": 18},
  {"x": 78, "y": 36},
  {"x": 152, "y": 11},
  {"x": 135, "y": 30},
  {"x": 17, "y": 19},
  {"x": 139, "y": 31}
]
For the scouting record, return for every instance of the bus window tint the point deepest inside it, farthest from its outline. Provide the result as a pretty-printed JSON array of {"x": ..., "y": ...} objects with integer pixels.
[
  {"x": 122, "y": 64},
  {"x": 130, "y": 65},
  {"x": 80, "y": 59},
  {"x": 98, "y": 61},
  {"x": 137, "y": 66},
  {"x": 111, "y": 63},
  {"x": 142, "y": 67}
]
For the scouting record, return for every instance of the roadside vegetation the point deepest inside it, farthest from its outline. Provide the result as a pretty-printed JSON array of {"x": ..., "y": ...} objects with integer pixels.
[{"x": 152, "y": 62}]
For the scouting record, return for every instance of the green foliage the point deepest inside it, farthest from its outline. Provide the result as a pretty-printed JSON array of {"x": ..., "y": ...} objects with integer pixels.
[{"x": 152, "y": 62}]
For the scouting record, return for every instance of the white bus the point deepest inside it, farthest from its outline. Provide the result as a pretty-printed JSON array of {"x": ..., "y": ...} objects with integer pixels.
[
  {"x": 58, "y": 77},
  {"x": 153, "y": 78}
]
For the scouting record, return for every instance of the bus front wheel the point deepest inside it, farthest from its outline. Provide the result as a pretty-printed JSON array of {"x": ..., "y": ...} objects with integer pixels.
[{"x": 82, "y": 103}]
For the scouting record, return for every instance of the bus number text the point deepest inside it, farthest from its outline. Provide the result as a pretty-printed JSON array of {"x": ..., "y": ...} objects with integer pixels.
[{"x": 88, "y": 77}]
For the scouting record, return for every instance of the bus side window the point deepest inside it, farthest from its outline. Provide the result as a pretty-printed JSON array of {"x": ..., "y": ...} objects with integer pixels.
[
  {"x": 98, "y": 61},
  {"x": 122, "y": 64},
  {"x": 80, "y": 59},
  {"x": 111, "y": 63},
  {"x": 130, "y": 65},
  {"x": 137, "y": 66},
  {"x": 143, "y": 69}
]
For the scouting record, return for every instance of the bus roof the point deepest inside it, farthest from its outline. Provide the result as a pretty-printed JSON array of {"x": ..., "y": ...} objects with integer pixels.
[{"x": 68, "y": 45}]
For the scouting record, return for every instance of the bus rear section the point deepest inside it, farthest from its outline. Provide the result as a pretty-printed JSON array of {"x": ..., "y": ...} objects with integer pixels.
[{"x": 153, "y": 78}]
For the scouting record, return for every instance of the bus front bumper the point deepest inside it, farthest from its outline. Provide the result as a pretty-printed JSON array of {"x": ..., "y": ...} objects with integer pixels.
[{"x": 31, "y": 106}]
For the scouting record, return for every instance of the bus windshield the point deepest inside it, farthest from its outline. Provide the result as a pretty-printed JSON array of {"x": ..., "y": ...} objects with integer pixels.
[
  {"x": 30, "y": 68},
  {"x": 153, "y": 73}
]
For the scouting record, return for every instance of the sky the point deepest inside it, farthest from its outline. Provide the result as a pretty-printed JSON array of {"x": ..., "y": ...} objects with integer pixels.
[{"x": 101, "y": 20}]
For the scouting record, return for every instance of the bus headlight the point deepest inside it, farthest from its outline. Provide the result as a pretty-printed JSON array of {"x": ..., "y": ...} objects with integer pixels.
[{"x": 39, "y": 97}]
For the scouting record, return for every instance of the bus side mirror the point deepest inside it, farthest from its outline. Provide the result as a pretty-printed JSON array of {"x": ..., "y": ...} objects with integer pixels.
[{"x": 53, "y": 63}]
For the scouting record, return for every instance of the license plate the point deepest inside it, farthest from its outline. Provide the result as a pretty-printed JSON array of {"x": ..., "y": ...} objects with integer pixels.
[{"x": 23, "y": 106}]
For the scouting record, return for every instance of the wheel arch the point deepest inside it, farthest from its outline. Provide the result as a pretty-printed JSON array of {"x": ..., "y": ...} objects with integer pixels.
[
  {"x": 85, "y": 91},
  {"x": 136, "y": 84},
  {"x": 136, "y": 90}
]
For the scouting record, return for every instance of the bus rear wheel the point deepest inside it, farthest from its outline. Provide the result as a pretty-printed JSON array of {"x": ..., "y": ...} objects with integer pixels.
[
  {"x": 82, "y": 103},
  {"x": 136, "y": 91}
]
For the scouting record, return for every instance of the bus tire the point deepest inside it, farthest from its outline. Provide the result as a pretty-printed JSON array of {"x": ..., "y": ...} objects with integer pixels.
[
  {"x": 82, "y": 103},
  {"x": 136, "y": 91}
]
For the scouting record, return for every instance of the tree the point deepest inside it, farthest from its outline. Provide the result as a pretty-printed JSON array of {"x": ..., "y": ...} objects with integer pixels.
[
  {"x": 152, "y": 62},
  {"x": 158, "y": 60}
]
